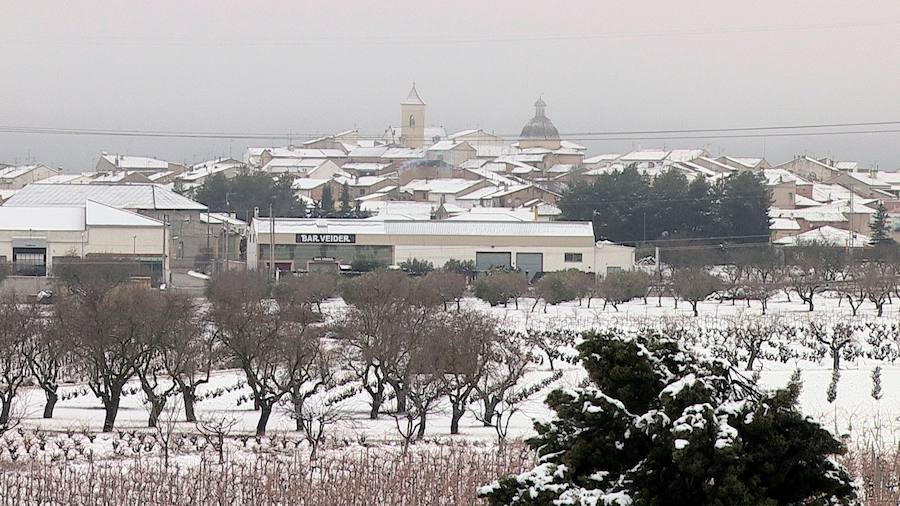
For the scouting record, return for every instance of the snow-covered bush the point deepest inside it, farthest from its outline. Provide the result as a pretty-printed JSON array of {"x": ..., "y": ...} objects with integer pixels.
[{"x": 658, "y": 425}]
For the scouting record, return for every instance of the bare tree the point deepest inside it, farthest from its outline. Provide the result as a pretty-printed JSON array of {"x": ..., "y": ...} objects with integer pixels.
[
  {"x": 189, "y": 356},
  {"x": 318, "y": 414},
  {"x": 623, "y": 286},
  {"x": 169, "y": 320},
  {"x": 508, "y": 361},
  {"x": 831, "y": 339},
  {"x": 450, "y": 286},
  {"x": 694, "y": 284},
  {"x": 511, "y": 403},
  {"x": 109, "y": 331},
  {"x": 165, "y": 425},
  {"x": 307, "y": 291},
  {"x": 215, "y": 430},
  {"x": 387, "y": 312},
  {"x": 46, "y": 353},
  {"x": 247, "y": 323},
  {"x": 464, "y": 345},
  {"x": 17, "y": 324}
]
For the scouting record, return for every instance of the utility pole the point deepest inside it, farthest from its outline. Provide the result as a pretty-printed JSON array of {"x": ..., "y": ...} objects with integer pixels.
[{"x": 271, "y": 243}]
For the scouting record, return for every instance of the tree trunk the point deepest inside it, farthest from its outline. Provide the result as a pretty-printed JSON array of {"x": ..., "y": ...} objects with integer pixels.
[
  {"x": 489, "y": 407},
  {"x": 880, "y": 309},
  {"x": 377, "y": 399},
  {"x": 265, "y": 411},
  {"x": 4, "y": 413},
  {"x": 694, "y": 307},
  {"x": 420, "y": 433},
  {"x": 810, "y": 302},
  {"x": 156, "y": 408},
  {"x": 51, "y": 403},
  {"x": 536, "y": 300},
  {"x": 835, "y": 360},
  {"x": 187, "y": 394},
  {"x": 401, "y": 400},
  {"x": 457, "y": 413},
  {"x": 111, "y": 407}
]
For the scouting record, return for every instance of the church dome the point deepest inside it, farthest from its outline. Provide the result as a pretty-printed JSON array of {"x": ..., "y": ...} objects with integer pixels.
[{"x": 540, "y": 126}]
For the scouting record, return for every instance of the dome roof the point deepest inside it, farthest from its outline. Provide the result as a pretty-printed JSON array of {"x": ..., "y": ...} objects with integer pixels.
[{"x": 540, "y": 126}]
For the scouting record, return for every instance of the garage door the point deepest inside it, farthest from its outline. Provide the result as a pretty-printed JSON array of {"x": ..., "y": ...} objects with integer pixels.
[
  {"x": 493, "y": 259},
  {"x": 530, "y": 264}
]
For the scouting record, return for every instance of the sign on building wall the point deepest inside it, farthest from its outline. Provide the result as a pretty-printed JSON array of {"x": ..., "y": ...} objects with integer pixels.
[{"x": 326, "y": 238}]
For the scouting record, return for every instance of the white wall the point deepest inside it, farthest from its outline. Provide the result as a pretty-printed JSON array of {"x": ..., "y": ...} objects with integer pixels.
[{"x": 554, "y": 257}]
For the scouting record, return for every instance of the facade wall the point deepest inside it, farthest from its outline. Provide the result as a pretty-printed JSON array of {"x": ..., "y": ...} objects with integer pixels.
[
  {"x": 39, "y": 173},
  {"x": 553, "y": 257},
  {"x": 438, "y": 249},
  {"x": 783, "y": 195}
]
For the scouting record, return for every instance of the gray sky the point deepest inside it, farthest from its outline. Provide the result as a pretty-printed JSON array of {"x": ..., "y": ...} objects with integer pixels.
[{"x": 306, "y": 67}]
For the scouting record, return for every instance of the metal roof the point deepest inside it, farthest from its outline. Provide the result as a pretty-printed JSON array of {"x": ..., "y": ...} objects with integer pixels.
[
  {"x": 125, "y": 196},
  {"x": 426, "y": 227}
]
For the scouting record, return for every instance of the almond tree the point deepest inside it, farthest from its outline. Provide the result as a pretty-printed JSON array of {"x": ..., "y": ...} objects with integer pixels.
[
  {"x": 16, "y": 329},
  {"x": 694, "y": 284},
  {"x": 508, "y": 361},
  {"x": 464, "y": 345},
  {"x": 169, "y": 324},
  {"x": 46, "y": 353},
  {"x": 387, "y": 310},
  {"x": 249, "y": 326},
  {"x": 110, "y": 340}
]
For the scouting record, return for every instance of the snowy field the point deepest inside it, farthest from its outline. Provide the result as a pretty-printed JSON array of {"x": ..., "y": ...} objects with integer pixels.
[{"x": 854, "y": 413}]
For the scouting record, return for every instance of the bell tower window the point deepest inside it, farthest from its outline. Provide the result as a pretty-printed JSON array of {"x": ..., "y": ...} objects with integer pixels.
[{"x": 412, "y": 121}]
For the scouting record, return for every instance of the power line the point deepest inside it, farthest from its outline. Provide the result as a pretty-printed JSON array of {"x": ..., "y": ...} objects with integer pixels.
[
  {"x": 385, "y": 40},
  {"x": 611, "y": 136}
]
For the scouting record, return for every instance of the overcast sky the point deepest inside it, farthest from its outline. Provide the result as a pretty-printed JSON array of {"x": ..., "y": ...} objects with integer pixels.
[{"x": 306, "y": 68}]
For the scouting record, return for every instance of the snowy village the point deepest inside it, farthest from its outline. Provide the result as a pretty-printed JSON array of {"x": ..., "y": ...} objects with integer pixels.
[{"x": 437, "y": 259}]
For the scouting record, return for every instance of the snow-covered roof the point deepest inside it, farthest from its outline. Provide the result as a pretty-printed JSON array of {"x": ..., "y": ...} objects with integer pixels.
[
  {"x": 362, "y": 181},
  {"x": 645, "y": 155},
  {"x": 749, "y": 163},
  {"x": 479, "y": 194},
  {"x": 413, "y": 97},
  {"x": 99, "y": 214},
  {"x": 448, "y": 145},
  {"x": 571, "y": 145},
  {"x": 365, "y": 166},
  {"x": 17, "y": 171},
  {"x": 221, "y": 218},
  {"x": 387, "y": 209},
  {"x": 561, "y": 168},
  {"x": 801, "y": 201},
  {"x": 126, "y": 196},
  {"x": 784, "y": 224},
  {"x": 135, "y": 162},
  {"x": 778, "y": 176},
  {"x": 684, "y": 155},
  {"x": 846, "y": 165},
  {"x": 827, "y": 235},
  {"x": 445, "y": 186},
  {"x": 608, "y": 157},
  {"x": 494, "y": 214},
  {"x": 62, "y": 179},
  {"x": 428, "y": 227},
  {"x": 305, "y": 183}
]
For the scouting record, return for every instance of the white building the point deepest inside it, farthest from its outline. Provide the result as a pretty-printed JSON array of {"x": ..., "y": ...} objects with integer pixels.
[
  {"x": 32, "y": 239},
  {"x": 531, "y": 247}
]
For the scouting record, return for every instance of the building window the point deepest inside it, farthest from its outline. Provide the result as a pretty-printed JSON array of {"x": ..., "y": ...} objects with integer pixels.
[
  {"x": 573, "y": 257},
  {"x": 613, "y": 268},
  {"x": 412, "y": 121}
]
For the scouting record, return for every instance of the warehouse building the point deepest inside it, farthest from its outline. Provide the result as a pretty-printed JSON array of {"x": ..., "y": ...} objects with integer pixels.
[
  {"x": 531, "y": 247},
  {"x": 33, "y": 239}
]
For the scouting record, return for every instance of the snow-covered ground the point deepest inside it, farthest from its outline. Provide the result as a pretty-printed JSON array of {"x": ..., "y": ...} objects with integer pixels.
[{"x": 855, "y": 412}]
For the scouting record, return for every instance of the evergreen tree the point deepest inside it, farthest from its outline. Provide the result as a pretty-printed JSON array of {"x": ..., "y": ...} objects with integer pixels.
[
  {"x": 660, "y": 426},
  {"x": 744, "y": 207},
  {"x": 879, "y": 226},
  {"x": 327, "y": 201},
  {"x": 345, "y": 199}
]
